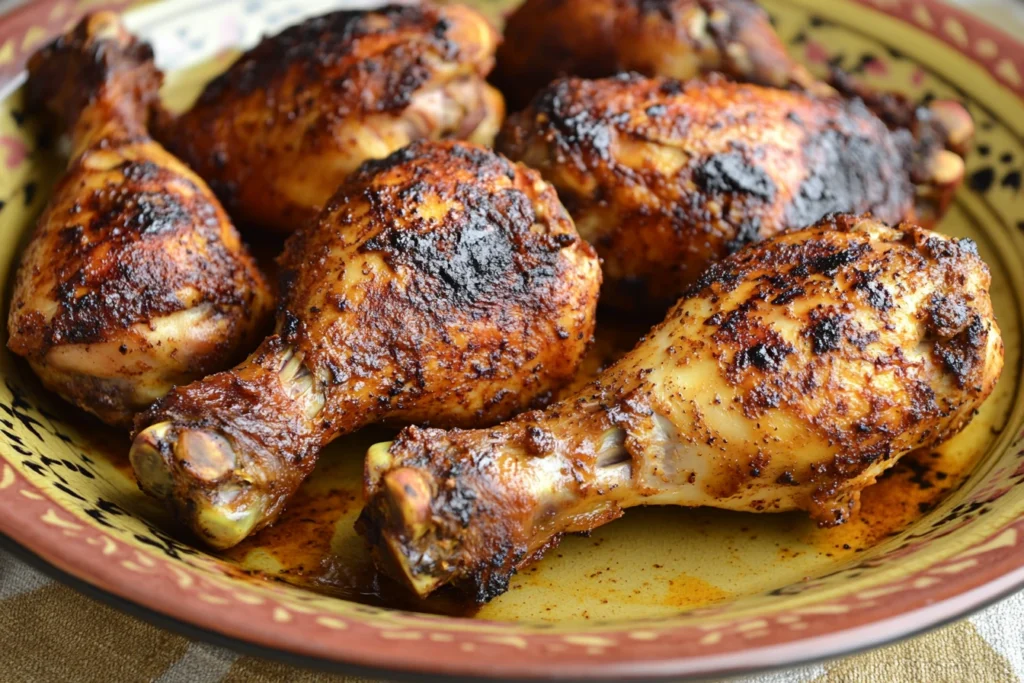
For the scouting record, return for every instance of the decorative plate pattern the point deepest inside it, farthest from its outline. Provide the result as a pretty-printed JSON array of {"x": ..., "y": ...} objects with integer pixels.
[{"x": 64, "y": 496}]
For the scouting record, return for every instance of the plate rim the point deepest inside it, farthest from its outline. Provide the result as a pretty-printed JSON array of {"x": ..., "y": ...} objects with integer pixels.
[
  {"x": 243, "y": 647},
  {"x": 90, "y": 575}
]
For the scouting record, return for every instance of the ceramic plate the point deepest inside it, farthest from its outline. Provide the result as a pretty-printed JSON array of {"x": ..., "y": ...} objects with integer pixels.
[{"x": 660, "y": 593}]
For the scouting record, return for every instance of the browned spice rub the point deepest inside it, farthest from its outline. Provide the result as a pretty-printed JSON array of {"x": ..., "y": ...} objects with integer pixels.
[
  {"x": 664, "y": 177},
  {"x": 278, "y": 131},
  {"x": 135, "y": 279},
  {"x": 547, "y": 39},
  {"x": 789, "y": 376},
  {"x": 442, "y": 285}
]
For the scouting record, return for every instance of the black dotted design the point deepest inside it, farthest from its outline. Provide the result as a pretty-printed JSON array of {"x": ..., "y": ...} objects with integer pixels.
[{"x": 60, "y": 473}]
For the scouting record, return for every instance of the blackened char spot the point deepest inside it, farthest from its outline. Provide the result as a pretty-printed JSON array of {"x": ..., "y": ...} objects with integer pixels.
[
  {"x": 788, "y": 295},
  {"x": 468, "y": 263},
  {"x": 720, "y": 273},
  {"x": 961, "y": 354},
  {"x": 947, "y": 314},
  {"x": 494, "y": 580},
  {"x": 565, "y": 106},
  {"x": 148, "y": 213},
  {"x": 400, "y": 85},
  {"x": 761, "y": 398},
  {"x": 459, "y": 503},
  {"x": 855, "y": 174},
  {"x": 878, "y": 297},
  {"x": 441, "y": 27},
  {"x": 764, "y": 357},
  {"x": 945, "y": 248},
  {"x": 476, "y": 251},
  {"x": 831, "y": 263},
  {"x": 731, "y": 173},
  {"x": 922, "y": 401},
  {"x": 827, "y": 334}
]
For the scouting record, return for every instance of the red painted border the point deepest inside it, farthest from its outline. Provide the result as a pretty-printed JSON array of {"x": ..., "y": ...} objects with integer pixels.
[
  {"x": 26, "y": 28},
  {"x": 1009, "y": 48},
  {"x": 678, "y": 652},
  {"x": 919, "y": 603}
]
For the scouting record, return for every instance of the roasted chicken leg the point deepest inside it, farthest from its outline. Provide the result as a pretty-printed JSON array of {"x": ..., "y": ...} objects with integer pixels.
[
  {"x": 280, "y": 130},
  {"x": 790, "y": 376},
  {"x": 135, "y": 279},
  {"x": 441, "y": 285},
  {"x": 664, "y": 178},
  {"x": 547, "y": 39},
  {"x": 683, "y": 39}
]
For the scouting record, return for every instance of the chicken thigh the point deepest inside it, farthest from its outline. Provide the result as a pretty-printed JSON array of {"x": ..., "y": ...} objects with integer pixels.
[
  {"x": 441, "y": 285},
  {"x": 280, "y": 130},
  {"x": 664, "y": 178},
  {"x": 546, "y": 39},
  {"x": 789, "y": 376},
  {"x": 134, "y": 279}
]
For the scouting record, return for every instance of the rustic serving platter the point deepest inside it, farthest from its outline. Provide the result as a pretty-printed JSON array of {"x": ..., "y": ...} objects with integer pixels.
[{"x": 660, "y": 593}]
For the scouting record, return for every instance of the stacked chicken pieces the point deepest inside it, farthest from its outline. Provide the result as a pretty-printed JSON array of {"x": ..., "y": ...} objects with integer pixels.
[{"x": 816, "y": 331}]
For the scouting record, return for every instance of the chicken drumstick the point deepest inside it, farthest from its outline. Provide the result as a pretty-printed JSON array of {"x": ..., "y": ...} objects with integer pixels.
[
  {"x": 790, "y": 376},
  {"x": 443, "y": 285},
  {"x": 664, "y": 178},
  {"x": 547, "y": 39},
  {"x": 134, "y": 280},
  {"x": 278, "y": 131}
]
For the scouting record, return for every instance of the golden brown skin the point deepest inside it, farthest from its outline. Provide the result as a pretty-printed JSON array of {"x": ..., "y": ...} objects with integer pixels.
[
  {"x": 280, "y": 130},
  {"x": 683, "y": 39},
  {"x": 135, "y": 279},
  {"x": 546, "y": 39},
  {"x": 441, "y": 285},
  {"x": 664, "y": 178},
  {"x": 790, "y": 376}
]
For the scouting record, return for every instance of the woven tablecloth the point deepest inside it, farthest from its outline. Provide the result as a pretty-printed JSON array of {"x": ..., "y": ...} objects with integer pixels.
[{"x": 50, "y": 632}]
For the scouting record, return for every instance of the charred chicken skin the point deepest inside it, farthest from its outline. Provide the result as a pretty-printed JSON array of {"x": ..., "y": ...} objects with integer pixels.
[
  {"x": 280, "y": 130},
  {"x": 442, "y": 285},
  {"x": 547, "y": 39},
  {"x": 683, "y": 39},
  {"x": 664, "y": 177},
  {"x": 789, "y": 376},
  {"x": 135, "y": 279}
]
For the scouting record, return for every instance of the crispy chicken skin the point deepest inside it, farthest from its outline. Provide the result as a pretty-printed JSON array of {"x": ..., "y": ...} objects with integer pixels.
[
  {"x": 546, "y": 39},
  {"x": 683, "y": 39},
  {"x": 135, "y": 279},
  {"x": 789, "y": 376},
  {"x": 442, "y": 285},
  {"x": 280, "y": 130},
  {"x": 664, "y": 178}
]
